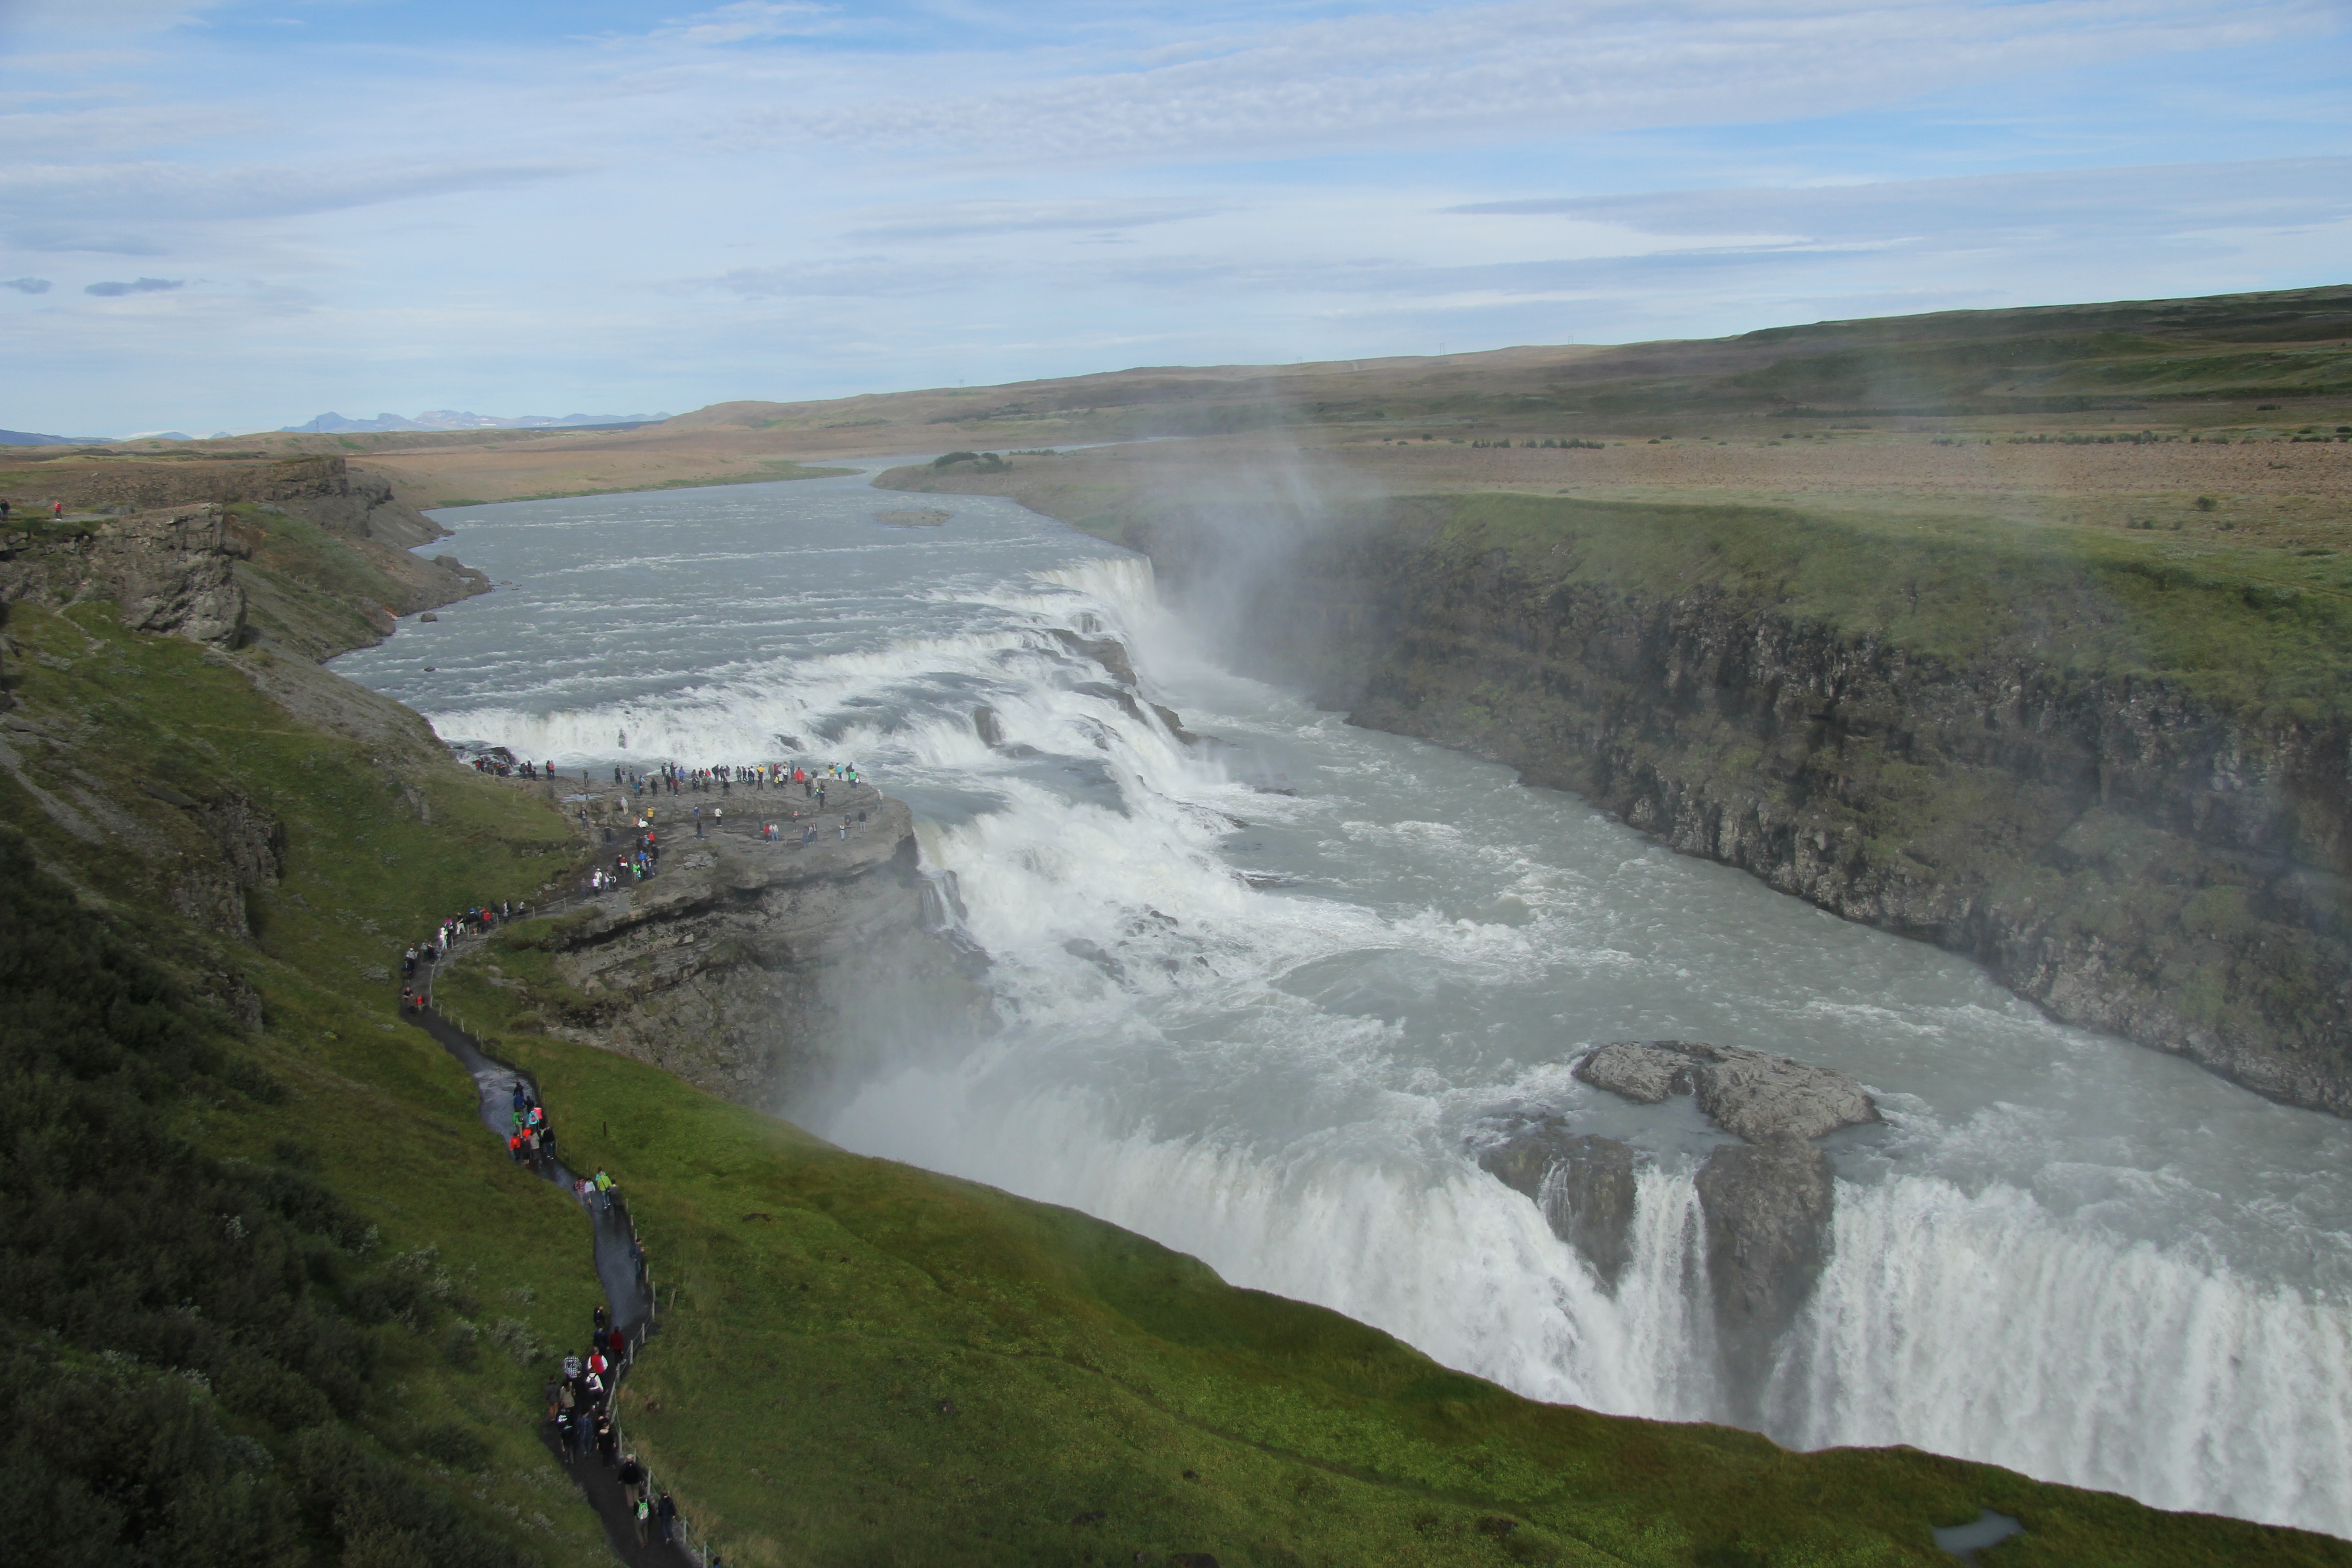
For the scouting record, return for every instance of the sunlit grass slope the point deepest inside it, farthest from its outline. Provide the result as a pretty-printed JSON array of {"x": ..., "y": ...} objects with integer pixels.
[{"x": 865, "y": 1363}]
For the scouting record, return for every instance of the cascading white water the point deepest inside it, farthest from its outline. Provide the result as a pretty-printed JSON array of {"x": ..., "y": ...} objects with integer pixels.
[{"x": 1259, "y": 1025}]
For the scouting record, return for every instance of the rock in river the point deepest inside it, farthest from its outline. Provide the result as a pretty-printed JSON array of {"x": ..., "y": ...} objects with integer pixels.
[
  {"x": 1768, "y": 1211},
  {"x": 1583, "y": 1183},
  {"x": 1763, "y": 1098}
]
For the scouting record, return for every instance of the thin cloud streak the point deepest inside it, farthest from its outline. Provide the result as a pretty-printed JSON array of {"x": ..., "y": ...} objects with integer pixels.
[
  {"x": 1528, "y": 68},
  {"x": 176, "y": 191}
]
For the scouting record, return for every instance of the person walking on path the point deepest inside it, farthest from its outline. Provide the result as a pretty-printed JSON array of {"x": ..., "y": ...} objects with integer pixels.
[
  {"x": 632, "y": 1477},
  {"x": 666, "y": 1515},
  {"x": 698, "y": 822}
]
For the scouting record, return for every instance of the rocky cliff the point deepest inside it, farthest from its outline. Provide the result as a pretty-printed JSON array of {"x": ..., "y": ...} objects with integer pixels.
[
  {"x": 170, "y": 570},
  {"x": 744, "y": 967}
]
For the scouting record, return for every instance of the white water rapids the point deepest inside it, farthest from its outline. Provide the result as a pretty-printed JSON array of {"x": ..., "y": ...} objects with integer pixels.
[{"x": 1254, "y": 994}]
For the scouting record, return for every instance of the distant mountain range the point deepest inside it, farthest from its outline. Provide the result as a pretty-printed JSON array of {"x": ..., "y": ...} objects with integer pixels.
[
  {"x": 27, "y": 438},
  {"x": 459, "y": 420}
]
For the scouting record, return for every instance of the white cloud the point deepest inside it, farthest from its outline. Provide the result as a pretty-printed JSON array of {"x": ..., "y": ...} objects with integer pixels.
[
  {"x": 839, "y": 278},
  {"x": 80, "y": 132},
  {"x": 955, "y": 220},
  {"x": 2152, "y": 199}
]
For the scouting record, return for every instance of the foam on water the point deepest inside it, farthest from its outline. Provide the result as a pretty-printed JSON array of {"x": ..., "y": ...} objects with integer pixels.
[{"x": 2062, "y": 1253}]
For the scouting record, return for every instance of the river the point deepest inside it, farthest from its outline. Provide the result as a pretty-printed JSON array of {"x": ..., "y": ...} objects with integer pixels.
[{"x": 1256, "y": 993}]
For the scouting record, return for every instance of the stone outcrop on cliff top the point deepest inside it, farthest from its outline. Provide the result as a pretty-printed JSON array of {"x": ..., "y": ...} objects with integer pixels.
[
  {"x": 170, "y": 570},
  {"x": 733, "y": 968}
]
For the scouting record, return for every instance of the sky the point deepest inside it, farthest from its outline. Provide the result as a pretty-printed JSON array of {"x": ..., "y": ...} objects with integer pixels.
[{"x": 239, "y": 214}]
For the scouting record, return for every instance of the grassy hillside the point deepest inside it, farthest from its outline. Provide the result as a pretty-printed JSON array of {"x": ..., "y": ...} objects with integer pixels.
[
  {"x": 381, "y": 1281},
  {"x": 864, "y": 1362}
]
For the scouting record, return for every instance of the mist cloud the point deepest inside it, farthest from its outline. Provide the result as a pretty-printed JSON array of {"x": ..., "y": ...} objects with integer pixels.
[{"x": 27, "y": 285}]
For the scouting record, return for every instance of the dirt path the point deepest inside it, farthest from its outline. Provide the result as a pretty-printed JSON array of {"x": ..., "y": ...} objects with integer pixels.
[{"x": 628, "y": 1296}]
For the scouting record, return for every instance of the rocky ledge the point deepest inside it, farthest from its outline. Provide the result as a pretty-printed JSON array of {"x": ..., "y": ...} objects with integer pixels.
[
  {"x": 1766, "y": 1204},
  {"x": 732, "y": 968},
  {"x": 170, "y": 570}
]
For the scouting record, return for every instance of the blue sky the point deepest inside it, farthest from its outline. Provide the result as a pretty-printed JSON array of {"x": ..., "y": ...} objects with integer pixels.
[{"x": 235, "y": 216}]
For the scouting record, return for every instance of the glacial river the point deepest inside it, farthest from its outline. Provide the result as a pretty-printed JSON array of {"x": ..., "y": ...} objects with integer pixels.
[{"x": 1256, "y": 994}]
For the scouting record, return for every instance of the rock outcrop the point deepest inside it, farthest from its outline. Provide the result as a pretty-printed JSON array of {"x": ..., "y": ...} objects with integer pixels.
[
  {"x": 744, "y": 964},
  {"x": 1768, "y": 1212},
  {"x": 1768, "y": 1203},
  {"x": 170, "y": 570},
  {"x": 1747, "y": 1093},
  {"x": 1583, "y": 1183},
  {"x": 1109, "y": 652}
]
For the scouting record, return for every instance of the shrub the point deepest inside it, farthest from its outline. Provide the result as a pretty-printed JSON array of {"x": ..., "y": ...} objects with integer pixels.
[{"x": 145, "y": 1285}]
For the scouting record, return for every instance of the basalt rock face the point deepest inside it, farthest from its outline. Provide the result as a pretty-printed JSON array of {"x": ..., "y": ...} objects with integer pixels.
[
  {"x": 170, "y": 570},
  {"x": 1583, "y": 1183},
  {"x": 2115, "y": 846},
  {"x": 1748, "y": 1094},
  {"x": 736, "y": 967},
  {"x": 1769, "y": 1214}
]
